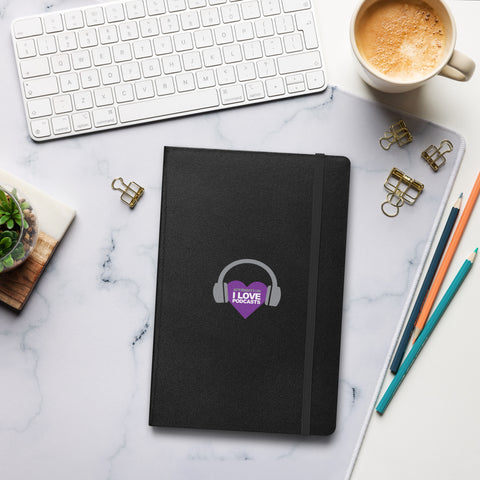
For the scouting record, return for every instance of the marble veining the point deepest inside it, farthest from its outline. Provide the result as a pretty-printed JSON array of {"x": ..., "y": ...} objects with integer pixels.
[{"x": 75, "y": 365}]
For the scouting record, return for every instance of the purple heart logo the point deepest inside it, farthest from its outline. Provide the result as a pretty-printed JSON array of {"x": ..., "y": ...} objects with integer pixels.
[{"x": 246, "y": 299}]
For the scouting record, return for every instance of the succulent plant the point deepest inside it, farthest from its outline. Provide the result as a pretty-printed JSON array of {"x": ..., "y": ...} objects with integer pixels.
[
  {"x": 7, "y": 241},
  {"x": 9, "y": 212}
]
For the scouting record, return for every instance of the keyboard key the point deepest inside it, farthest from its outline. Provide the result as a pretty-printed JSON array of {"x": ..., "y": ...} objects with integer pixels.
[
  {"x": 73, "y": 19},
  {"x": 226, "y": 75},
  {"x": 81, "y": 59},
  {"x": 104, "y": 117},
  {"x": 28, "y": 27},
  {"x": 110, "y": 75},
  {"x": 149, "y": 28},
  {"x": 89, "y": 79},
  {"x": 223, "y": 35},
  {"x": 39, "y": 108},
  {"x": 144, "y": 90},
  {"x": 101, "y": 56},
  {"x": 272, "y": 46},
  {"x": 210, "y": 17},
  {"x": 232, "y": 53},
  {"x": 185, "y": 82},
  {"x": 69, "y": 82},
  {"x": 306, "y": 24},
  {"x": 252, "y": 50},
  {"x": 60, "y": 63},
  {"x": 183, "y": 42},
  {"x": 275, "y": 87},
  {"x": 206, "y": 78},
  {"x": 192, "y": 61},
  {"x": 299, "y": 62},
  {"x": 135, "y": 9},
  {"x": 176, "y": 5},
  {"x": 293, "y": 43},
  {"x": 103, "y": 97},
  {"x": 212, "y": 57},
  {"x": 40, "y": 87},
  {"x": 230, "y": 13},
  {"x": 26, "y": 48},
  {"x": 266, "y": 68},
  {"x": 168, "y": 105},
  {"x": 255, "y": 91},
  {"x": 82, "y": 100},
  {"x": 197, "y": 3},
  {"x": 171, "y": 64},
  {"x": 53, "y": 23},
  {"x": 232, "y": 94},
  {"x": 130, "y": 71},
  {"x": 124, "y": 93},
  {"x": 250, "y": 10},
  {"x": 264, "y": 27},
  {"x": 142, "y": 49},
  {"x": 155, "y": 7},
  {"x": 114, "y": 12},
  {"x": 315, "y": 79},
  {"x": 88, "y": 38},
  {"x": 189, "y": 20},
  {"x": 162, "y": 45},
  {"x": 203, "y": 38},
  {"x": 62, "y": 104},
  {"x": 128, "y": 31},
  {"x": 61, "y": 125},
  {"x": 151, "y": 68},
  {"x": 40, "y": 128},
  {"x": 169, "y": 24},
  {"x": 94, "y": 16},
  {"x": 244, "y": 31},
  {"x": 295, "y": 83},
  {"x": 284, "y": 24},
  {"x": 46, "y": 45},
  {"x": 164, "y": 86},
  {"x": 295, "y": 5},
  {"x": 81, "y": 121},
  {"x": 67, "y": 41},
  {"x": 108, "y": 34},
  {"x": 270, "y": 7},
  {"x": 246, "y": 71}
]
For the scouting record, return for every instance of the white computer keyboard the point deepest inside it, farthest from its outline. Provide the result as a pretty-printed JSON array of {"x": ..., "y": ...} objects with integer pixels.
[{"x": 115, "y": 64}]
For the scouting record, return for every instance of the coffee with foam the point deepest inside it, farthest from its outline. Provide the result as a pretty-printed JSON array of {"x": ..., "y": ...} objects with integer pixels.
[{"x": 402, "y": 39}]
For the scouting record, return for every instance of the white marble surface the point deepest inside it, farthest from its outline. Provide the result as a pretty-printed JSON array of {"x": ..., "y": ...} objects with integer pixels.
[{"x": 75, "y": 365}]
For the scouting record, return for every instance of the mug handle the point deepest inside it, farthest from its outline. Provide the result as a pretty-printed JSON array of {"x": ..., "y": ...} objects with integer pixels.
[{"x": 459, "y": 67}]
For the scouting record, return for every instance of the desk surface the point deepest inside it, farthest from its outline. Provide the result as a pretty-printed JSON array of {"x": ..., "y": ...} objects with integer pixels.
[{"x": 433, "y": 407}]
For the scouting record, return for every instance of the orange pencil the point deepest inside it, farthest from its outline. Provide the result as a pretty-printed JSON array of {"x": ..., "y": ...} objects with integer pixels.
[{"x": 442, "y": 269}]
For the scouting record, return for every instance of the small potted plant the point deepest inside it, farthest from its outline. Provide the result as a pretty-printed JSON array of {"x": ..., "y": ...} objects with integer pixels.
[{"x": 18, "y": 229}]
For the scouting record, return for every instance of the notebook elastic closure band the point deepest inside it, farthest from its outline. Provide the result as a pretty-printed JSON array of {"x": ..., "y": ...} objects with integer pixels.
[{"x": 317, "y": 200}]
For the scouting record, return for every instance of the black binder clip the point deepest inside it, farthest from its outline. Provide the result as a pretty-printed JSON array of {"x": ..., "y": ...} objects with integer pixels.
[
  {"x": 131, "y": 193},
  {"x": 398, "y": 134},
  {"x": 435, "y": 157},
  {"x": 402, "y": 189}
]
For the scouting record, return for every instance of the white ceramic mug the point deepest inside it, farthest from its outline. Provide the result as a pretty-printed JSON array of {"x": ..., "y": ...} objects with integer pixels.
[{"x": 454, "y": 64}]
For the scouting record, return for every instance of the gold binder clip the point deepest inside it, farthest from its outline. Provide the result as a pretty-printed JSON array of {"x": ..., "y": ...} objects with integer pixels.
[
  {"x": 435, "y": 157},
  {"x": 398, "y": 134},
  {"x": 402, "y": 189},
  {"x": 131, "y": 193}
]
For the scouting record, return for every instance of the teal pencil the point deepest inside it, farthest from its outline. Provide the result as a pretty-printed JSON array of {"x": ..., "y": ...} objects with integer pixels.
[{"x": 422, "y": 339}]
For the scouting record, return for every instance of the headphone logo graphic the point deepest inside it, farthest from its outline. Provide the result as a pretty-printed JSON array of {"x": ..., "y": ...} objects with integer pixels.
[{"x": 246, "y": 299}]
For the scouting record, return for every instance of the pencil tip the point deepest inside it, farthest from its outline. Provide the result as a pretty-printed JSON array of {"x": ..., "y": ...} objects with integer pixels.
[{"x": 461, "y": 195}]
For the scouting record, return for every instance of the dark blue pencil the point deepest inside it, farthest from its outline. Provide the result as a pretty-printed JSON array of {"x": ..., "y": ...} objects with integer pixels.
[{"x": 442, "y": 243}]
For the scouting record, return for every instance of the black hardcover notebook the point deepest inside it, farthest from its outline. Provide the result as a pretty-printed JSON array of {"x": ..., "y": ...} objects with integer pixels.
[{"x": 249, "y": 291}]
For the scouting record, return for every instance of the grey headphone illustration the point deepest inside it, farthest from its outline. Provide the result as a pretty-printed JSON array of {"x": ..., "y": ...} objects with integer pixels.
[{"x": 220, "y": 289}]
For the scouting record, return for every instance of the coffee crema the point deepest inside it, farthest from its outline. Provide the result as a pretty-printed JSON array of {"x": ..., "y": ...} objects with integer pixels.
[{"x": 404, "y": 40}]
